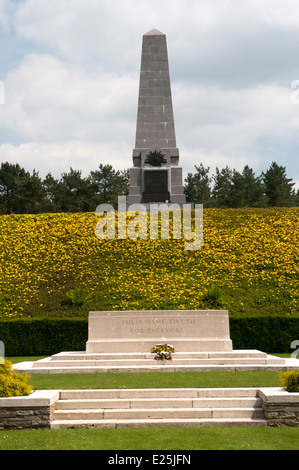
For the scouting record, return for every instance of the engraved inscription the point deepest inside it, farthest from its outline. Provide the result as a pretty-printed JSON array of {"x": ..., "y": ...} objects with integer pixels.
[
  {"x": 158, "y": 321},
  {"x": 156, "y": 331},
  {"x": 157, "y": 326}
]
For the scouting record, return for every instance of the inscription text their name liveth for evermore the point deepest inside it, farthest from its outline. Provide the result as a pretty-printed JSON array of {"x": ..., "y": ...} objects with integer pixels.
[
  {"x": 157, "y": 326},
  {"x": 157, "y": 321}
]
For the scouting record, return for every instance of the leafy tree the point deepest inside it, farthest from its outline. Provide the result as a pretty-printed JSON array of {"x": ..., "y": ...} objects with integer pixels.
[
  {"x": 124, "y": 181},
  {"x": 20, "y": 192},
  {"x": 108, "y": 184},
  {"x": 8, "y": 175},
  {"x": 237, "y": 190},
  {"x": 76, "y": 192},
  {"x": 197, "y": 186},
  {"x": 54, "y": 193},
  {"x": 221, "y": 192},
  {"x": 29, "y": 194},
  {"x": 246, "y": 189},
  {"x": 254, "y": 188},
  {"x": 278, "y": 188}
]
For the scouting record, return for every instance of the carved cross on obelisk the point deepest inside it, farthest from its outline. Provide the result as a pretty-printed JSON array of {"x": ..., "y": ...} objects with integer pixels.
[{"x": 155, "y": 176}]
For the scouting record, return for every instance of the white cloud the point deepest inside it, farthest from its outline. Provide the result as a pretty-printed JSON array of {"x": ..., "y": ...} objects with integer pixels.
[
  {"x": 46, "y": 99},
  {"x": 57, "y": 157},
  {"x": 229, "y": 122},
  {"x": 60, "y": 109},
  {"x": 74, "y": 92},
  {"x": 210, "y": 40},
  {"x": 83, "y": 33}
]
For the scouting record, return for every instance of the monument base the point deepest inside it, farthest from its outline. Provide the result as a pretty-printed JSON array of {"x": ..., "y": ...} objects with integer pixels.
[
  {"x": 122, "y": 342},
  {"x": 140, "y": 331}
]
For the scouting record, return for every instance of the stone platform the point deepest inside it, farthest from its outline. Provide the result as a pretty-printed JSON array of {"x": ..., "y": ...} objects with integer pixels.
[
  {"x": 122, "y": 342},
  {"x": 83, "y": 362}
]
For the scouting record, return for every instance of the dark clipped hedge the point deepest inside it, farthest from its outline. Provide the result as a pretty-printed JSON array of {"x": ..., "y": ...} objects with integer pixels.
[
  {"x": 43, "y": 337},
  {"x": 268, "y": 334}
]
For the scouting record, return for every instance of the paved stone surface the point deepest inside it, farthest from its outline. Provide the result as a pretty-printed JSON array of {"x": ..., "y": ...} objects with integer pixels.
[{"x": 239, "y": 360}]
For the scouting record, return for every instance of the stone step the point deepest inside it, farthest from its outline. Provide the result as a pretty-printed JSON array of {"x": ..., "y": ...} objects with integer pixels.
[
  {"x": 143, "y": 361},
  {"x": 247, "y": 353},
  {"x": 162, "y": 368},
  {"x": 152, "y": 362},
  {"x": 73, "y": 362},
  {"x": 158, "y": 413},
  {"x": 158, "y": 423},
  {"x": 159, "y": 368},
  {"x": 137, "y": 403},
  {"x": 159, "y": 393}
]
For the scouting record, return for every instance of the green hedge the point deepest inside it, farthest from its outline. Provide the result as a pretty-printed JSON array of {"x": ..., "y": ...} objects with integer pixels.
[
  {"x": 42, "y": 337},
  {"x": 268, "y": 334}
]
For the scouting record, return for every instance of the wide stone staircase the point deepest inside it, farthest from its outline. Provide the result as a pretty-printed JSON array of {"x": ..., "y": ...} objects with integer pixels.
[{"x": 172, "y": 407}]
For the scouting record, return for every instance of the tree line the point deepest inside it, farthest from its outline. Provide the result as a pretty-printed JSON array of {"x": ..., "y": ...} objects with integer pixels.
[
  {"x": 23, "y": 192},
  {"x": 234, "y": 189}
]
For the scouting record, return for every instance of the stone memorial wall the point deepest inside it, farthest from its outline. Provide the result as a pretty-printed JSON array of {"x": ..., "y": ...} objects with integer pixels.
[{"x": 139, "y": 331}]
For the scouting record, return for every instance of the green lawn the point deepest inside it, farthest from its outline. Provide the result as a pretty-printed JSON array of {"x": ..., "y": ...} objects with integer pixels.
[
  {"x": 153, "y": 439},
  {"x": 155, "y": 380}
]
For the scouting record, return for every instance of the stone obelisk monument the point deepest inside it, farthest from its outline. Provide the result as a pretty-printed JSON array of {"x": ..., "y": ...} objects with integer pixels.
[{"x": 155, "y": 175}]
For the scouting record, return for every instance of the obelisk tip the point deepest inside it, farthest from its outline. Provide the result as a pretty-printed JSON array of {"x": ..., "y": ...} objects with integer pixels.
[{"x": 154, "y": 32}]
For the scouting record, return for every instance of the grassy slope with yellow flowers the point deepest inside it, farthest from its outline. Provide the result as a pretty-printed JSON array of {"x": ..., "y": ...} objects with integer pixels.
[{"x": 251, "y": 256}]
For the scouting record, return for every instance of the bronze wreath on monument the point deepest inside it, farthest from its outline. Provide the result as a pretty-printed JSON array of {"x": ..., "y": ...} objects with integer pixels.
[{"x": 155, "y": 158}]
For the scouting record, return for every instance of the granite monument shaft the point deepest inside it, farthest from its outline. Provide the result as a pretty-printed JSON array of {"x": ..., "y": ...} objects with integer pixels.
[{"x": 155, "y": 175}]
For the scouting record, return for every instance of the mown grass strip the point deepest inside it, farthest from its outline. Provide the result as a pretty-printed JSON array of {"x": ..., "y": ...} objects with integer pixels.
[
  {"x": 152, "y": 439},
  {"x": 155, "y": 380}
]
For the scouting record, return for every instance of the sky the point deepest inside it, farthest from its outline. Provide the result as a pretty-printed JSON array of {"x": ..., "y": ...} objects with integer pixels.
[{"x": 69, "y": 79}]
